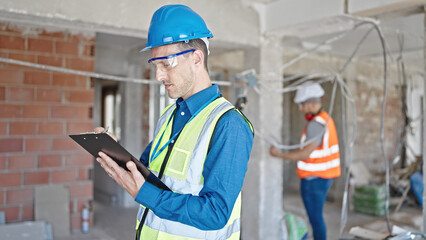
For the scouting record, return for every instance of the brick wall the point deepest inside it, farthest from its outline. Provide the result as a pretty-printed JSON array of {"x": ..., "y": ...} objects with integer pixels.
[{"x": 38, "y": 109}]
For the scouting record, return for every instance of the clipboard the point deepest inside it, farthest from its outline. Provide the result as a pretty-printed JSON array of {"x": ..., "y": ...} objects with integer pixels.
[{"x": 102, "y": 142}]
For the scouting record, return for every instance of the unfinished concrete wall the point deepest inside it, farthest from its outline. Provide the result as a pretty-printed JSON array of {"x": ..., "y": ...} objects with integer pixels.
[{"x": 38, "y": 109}]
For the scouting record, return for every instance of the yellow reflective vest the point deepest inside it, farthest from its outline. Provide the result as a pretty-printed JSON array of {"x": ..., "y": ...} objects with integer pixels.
[{"x": 183, "y": 173}]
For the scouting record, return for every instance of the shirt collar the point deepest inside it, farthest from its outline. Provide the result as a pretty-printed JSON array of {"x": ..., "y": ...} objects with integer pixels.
[{"x": 197, "y": 100}]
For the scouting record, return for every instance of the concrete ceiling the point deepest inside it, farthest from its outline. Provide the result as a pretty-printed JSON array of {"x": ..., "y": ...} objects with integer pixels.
[
  {"x": 402, "y": 33},
  {"x": 303, "y": 24},
  {"x": 401, "y": 22}
]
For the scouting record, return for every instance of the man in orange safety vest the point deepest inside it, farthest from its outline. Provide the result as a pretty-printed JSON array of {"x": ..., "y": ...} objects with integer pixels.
[{"x": 318, "y": 161}]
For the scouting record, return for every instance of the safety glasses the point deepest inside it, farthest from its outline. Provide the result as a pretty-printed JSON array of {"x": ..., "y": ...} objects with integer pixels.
[{"x": 168, "y": 62}]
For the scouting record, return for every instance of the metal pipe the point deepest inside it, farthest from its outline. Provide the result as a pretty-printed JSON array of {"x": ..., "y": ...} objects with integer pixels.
[{"x": 91, "y": 74}]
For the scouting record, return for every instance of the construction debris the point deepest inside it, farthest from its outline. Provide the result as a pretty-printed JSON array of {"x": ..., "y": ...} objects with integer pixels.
[
  {"x": 366, "y": 233},
  {"x": 370, "y": 199}
]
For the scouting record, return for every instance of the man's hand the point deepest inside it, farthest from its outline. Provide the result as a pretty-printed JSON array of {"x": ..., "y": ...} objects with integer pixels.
[
  {"x": 131, "y": 181},
  {"x": 274, "y": 151},
  {"x": 101, "y": 130}
]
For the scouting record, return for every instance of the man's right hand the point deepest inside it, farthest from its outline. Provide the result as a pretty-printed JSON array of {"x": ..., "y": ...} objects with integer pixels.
[
  {"x": 274, "y": 151},
  {"x": 101, "y": 130}
]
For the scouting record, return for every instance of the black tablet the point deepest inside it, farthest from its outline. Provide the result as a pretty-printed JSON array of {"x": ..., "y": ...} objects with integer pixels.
[{"x": 102, "y": 142}]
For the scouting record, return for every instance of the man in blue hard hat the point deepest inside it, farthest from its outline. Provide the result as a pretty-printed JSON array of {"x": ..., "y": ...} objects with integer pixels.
[{"x": 201, "y": 146}]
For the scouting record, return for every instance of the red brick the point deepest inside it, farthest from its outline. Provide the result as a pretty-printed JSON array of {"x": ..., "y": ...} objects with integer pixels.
[
  {"x": 80, "y": 64},
  {"x": 86, "y": 96},
  {"x": 6, "y": 28},
  {"x": 2, "y": 93},
  {"x": 40, "y": 45},
  {"x": 59, "y": 35},
  {"x": 83, "y": 174},
  {"x": 11, "y": 145},
  {"x": 37, "y": 77},
  {"x": 50, "y": 128},
  {"x": 1, "y": 197},
  {"x": 70, "y": 112},
  {"x": 72, "y": 207},
  {"x": 83, "y": 159},
  {"x": 81, "y": 204},
  {"x": 89, "y": 50},
  {"x": 23, "y": 128},
  {"x": 27, "y": 212},
  {"x": 61, "y": 176},
  {"x": 17, "y": 196},
  {"x": 3, "y": 55},
  {"x": 21, "y": 161},
  {"x": 10, "y": 111},
  {"x": 81, "y": 190},
  {"x": 20, "y": 94},
  {"x": 26, "y": 57},
  {"x": 79, "y": 127},
  {"x": 2, "y": 163},
  {"x": 11, "y": 76},
  {"x": 83, "y": 38},
  {"x": 49, "y": 95},
  {"x": 63, "y": 144},
  {"x": 10, "y": 179},
  {"x": 50, "y": 160},
  {"x": 84, "y": 82},
  {"x": 31, "y": 178},
  {"x": 12, "y": 42},
  {"x": 69, "y": 48},
  {"x": 64, "y": 80},
  {"x": 35, "y": 111},
  {"x": 75, "y": 222},
  {"x": 37, "y": 144},
  {"x": 55, "y": 61},
  {"x": 12, "y": 213}
]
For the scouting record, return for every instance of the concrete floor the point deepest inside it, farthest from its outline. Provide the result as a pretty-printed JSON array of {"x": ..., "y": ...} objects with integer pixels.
[{"x": 116, "y": 223}]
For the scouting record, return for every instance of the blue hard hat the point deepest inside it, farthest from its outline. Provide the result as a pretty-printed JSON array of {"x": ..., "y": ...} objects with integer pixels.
[{"x": 175, "y": 23}]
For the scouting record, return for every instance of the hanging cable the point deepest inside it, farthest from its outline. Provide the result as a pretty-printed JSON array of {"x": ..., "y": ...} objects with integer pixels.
[
  {"x": 345, "y": 95},
  {"x": 382, "y": 123}
]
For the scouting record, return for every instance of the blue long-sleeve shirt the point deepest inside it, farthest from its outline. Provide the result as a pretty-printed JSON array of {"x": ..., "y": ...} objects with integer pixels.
[{"x": 224, "y": 171}]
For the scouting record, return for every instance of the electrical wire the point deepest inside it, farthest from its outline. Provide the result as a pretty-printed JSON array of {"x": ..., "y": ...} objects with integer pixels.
[
  {"x": 382, "y": 123},
  {"x": 345, "y": 95}
]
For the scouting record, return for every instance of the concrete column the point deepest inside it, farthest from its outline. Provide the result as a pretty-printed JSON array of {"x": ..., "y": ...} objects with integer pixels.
[
  {"x": 131, "y": 134},
  {"x": 262, "y": 192}
]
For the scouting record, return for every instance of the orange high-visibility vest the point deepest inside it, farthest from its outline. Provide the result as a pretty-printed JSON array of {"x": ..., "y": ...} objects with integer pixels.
[{"x": 324, "y": 161}]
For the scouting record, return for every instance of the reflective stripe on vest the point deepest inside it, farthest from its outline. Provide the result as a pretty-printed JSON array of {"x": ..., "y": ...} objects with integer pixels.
[
  {"x": 183, "y": 173},
  {"x": 324, "y": 152},
  {"x": 174, "y": 229},
  {"x": 324, "y": 161},
  {"x": 318, "y": 166}
]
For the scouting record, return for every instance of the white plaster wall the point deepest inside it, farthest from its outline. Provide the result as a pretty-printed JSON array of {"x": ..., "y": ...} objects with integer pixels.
[
  {"x": 361, "y": 5},
  {"x": 230, "y": 21},
  {"x": 414, "y": 104}
]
